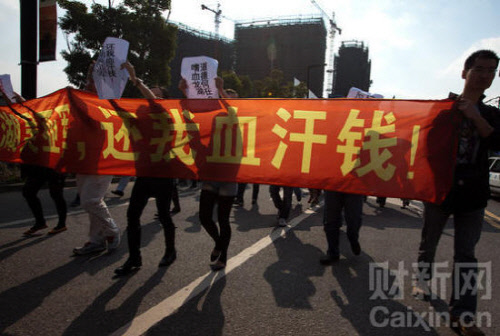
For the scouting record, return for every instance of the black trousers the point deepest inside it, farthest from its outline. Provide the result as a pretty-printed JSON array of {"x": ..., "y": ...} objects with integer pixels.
[
  {"x": 241, "y": 191},
  {"x": 222, "y": 234},
  {"x": 145, "y": 187},
  {"x": 36, "y": 177}
]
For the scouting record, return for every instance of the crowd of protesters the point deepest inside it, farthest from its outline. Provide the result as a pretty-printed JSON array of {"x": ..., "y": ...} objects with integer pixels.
[{"x": 479, "y": 132}]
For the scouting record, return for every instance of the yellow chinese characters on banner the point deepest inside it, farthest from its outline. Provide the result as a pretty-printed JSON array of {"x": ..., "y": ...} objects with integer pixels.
[{"x": 375, "y": 147}]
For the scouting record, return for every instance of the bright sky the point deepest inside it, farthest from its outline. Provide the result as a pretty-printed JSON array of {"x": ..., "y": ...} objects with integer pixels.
[{"x": 417, "y": 48}]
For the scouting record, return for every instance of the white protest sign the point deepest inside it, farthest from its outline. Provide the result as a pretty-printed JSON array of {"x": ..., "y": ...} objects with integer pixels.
[
  {"x": 109, "y": 79},
  {"x": 199, "y": 73},
  {"x": 357, "y": 93},
  {"x": 6, "y": 86}
]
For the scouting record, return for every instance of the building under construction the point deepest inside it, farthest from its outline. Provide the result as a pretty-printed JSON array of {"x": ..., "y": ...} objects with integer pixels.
[
  {"x": 352, "y": 68},
  {"x": 191, "y": 42},
  {"x": 295, "y": 45}
]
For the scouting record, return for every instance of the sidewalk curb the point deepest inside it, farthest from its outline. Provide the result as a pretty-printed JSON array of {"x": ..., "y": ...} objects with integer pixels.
[{"x": 68, "y": 183}]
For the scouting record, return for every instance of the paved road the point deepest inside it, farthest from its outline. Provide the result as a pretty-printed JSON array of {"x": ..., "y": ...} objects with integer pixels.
[{"x": 273, "y": 284}]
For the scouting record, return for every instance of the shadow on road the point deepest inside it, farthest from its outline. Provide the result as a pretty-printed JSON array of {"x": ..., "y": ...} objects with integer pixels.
[
  {"x": 290, "y": 276},
  {"x": 202, "y": 315}
]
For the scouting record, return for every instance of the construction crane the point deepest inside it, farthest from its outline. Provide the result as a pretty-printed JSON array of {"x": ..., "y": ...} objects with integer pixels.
[
  {"x": 218, "y": 15},
  {"x": 333, "y": 29}
]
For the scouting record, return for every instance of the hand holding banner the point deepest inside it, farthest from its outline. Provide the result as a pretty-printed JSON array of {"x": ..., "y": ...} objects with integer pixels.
[
  {"x": 357, "y": 93},
  {"x": 109, "y": 79},
  {"x": 6, "y": 86},
  {"x": 199, "y": 73}
]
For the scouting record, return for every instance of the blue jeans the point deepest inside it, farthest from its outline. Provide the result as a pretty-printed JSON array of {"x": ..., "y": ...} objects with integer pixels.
[
  {"x": 468, "y": 227},
  {"x": 352, "y": 205},
  {"x": 283, "y": 205}
]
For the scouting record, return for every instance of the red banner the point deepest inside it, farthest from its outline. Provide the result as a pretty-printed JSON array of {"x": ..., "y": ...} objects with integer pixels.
[{"x": 393, "y": 148}]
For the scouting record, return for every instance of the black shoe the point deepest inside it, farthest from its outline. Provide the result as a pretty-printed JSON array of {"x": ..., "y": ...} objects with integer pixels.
[
  {"x": 328, "y": 260},
  {"x": 118, "y": 192},
  {"x": 175, "y": 210},
  {"x": 168, "y": 259},
  {"x": 218, "y": 265},
  {"x": 355, "y": 247},
  {"x": 34, "y": 229},
  {"x": 130, "y": 266},
  {"x": 214, "y": 256}
]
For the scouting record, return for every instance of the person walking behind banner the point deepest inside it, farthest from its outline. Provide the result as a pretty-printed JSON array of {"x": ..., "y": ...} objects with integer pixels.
[
  {"x": 122, "y": 184},
  {"x": 241, "y": 193},
  {"x": 35, "y": 177},
  {"x": 103, "y": 231},
  {"x": 220, "y": 193},
  {"x": 352, "y": 207},
  {"x": 282, "y": 204},
  {"x": 161, "y": 188},
  {"x": 479, "y": 131}
]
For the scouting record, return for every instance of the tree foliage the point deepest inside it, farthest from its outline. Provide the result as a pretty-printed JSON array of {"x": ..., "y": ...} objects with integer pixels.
[
  {"x": 152, "y": 40},
  {"x": 274, "y": 86}
]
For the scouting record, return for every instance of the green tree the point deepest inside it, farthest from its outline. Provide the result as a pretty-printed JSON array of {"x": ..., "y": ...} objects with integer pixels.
[
  {"x": 274, "y": 86},
  {"x": 152, "y": 40}
]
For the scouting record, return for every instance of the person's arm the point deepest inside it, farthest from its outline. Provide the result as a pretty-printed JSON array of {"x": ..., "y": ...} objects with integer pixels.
[
  {"x": 471, "y": 112},
  {"x": 138, "y": 83},
  {"x": 17, "y": 97},
  {"x": 219, "y": 83},
  {"x": 90, "y": 86},
  {"x": 183, "y": 86}
]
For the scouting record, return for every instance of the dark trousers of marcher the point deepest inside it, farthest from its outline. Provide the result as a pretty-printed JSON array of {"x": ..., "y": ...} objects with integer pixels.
[
  {"x": 298, "y": 193},
  {"x": 241, "y": 191},
  {"x": 35, "y": 179},
  {"x": 468, "y": 227},
  {"x": 352, "y": 207},
  {"x": 222, "y": 234},
  {"x": 175, "y": 196},
  {"x": 282, "y": 204},
  {"x": 144, "y": 188}
]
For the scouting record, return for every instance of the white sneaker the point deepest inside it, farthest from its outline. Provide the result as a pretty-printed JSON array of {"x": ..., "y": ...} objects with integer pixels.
[
  {"x": 88, "y": 248},
  {"x": 282, "y": 222}
]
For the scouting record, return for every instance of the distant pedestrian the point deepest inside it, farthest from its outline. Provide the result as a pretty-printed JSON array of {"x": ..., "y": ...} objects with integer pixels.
[
  {"x": 35, "y": 178},
  {"x": 122, "y": 184},
  {"x": 241, "y": 193},
  {"x": 283, "y": 204},
  {"x": 351, "y": 206}
]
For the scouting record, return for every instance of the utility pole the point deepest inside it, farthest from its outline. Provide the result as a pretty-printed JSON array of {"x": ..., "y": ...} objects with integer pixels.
[{"x": 29, "y": 41}]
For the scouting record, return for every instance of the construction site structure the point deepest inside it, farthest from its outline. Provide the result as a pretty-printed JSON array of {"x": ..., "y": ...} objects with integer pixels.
[
  {"x": 295, "y": 45},
  {"x": 192, "y": 42},
  {"x": 330, "y": 19},
  {"x": 352, "y": 68}
]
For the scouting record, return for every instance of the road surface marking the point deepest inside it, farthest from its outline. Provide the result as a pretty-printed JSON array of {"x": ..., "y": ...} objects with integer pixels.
[
  {"x": 493, "y": 220},
  {"x": 142, "y": 323}
]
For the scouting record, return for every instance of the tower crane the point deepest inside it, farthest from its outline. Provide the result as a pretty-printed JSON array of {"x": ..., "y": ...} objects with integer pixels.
[
  {"x": 217, "y": 19},
  {"x": 333, "y": 29}
]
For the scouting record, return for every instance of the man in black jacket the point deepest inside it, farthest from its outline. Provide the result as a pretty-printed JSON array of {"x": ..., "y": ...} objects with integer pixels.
[{"x": 479, "y": 131}]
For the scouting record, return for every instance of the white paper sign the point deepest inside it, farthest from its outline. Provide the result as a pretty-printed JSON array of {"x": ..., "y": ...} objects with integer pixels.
[
  {"x": 357, "y": 93},
  {"x": 6, "y": 86},
  {"x": 199, "y": 73},
  {"x": 109, "y": 79}
]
